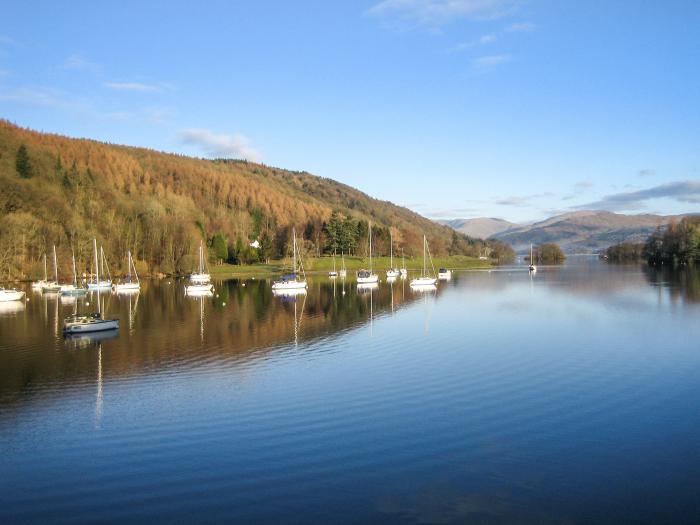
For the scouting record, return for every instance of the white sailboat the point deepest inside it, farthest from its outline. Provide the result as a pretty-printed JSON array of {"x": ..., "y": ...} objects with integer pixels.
[
  {"x": 532, "y": 268},
  {"x": 128, "y": 285},
  {"x": 201, "y": 276},
  {"x": 368, "y": 276},
  {"x": 403, "y": 270},
  {"x": 292, "y": 281},
  {"x": 40, "y": 284},
  {"x": 52, "y": 286},
  {"x": 392, "y": 273},
  {"x": 82, "y": 324},
  {"x": 343, "y": 273},
  {"x": 10, "y": 294},
  {"x": 96, "y": 283},
  {"x": 333, "y": 273},
  {"x": 425, "y": 279},
  {"x": 73, "y": 289}
]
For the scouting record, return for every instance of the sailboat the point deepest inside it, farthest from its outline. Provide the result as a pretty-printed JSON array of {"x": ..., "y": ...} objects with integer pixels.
[
  {"x": 73, "y": 289},
  {"x": 128, "y": 285},
  {"x": 52, "y": 286},
  {"x": 367, "y": 276},
  {"x": 94, "y": 322},
  {"x": 333, "y": 273},
  {"x": 10, "y": 294},
  {"x": 96, "y": 283},
  {"x": 200, "y": 280},
  {"x": 39, "y": 285},
  {"x": 201, "y": 276},
  {"x": 425, "y": 279},
  {"x": 533, "y": 268},
  {"x": 292, "y": 281},
  {"x": 392, "y": 273},
  {"x": 343, "y": 270},
  {"x": 403, "y": 270}
]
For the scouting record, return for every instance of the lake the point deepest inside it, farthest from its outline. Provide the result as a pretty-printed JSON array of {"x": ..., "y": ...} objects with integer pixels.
[{"x": 568, "y": 396}]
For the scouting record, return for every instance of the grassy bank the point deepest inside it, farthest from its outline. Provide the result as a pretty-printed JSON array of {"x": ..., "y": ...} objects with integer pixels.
[{"x": 324, "y": 264}]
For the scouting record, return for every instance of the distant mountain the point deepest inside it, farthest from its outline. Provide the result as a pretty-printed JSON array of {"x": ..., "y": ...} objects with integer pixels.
[
  {"x": 585, "y": 231},
  {"x": 481, "y": 228}
]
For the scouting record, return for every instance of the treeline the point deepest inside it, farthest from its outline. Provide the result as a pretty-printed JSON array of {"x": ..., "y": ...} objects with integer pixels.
[
  {"x": 678, "y": 243},
  {"x": 56, "y": 190},
  {"x": 547, "y": 253},
  {"x": 626, "y": 251}
]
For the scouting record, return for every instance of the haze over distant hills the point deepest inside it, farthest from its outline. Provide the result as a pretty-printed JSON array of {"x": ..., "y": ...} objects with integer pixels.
[{"x": 576, "y": 232}]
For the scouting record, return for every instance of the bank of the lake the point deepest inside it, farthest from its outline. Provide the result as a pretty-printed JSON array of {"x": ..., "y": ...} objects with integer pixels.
[{"x": 325, "y": 264}]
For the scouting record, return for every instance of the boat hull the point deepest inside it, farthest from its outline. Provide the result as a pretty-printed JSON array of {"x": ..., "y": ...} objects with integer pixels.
[
  {"x": 126, "y": 287},
  {"x": 201, "y": 278},
  {"x": 393, "y": 273},
  {"x": 102, "y": 285},
  {"x": 289, "y": 285},
  {"x": 89, "y": 327},
  {"x": 11, "y": 295},
  {"x": 423, "y": 281},
  {"x": 372, "y": 279},
  {"x": 199, "y": 289}
]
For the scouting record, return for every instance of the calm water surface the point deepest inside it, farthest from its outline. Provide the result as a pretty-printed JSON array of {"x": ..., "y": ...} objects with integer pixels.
[{"x": 571, "y": 396}]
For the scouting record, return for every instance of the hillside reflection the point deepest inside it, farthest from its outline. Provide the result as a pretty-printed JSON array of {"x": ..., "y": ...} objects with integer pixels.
[{"x": 162, "y": 328}]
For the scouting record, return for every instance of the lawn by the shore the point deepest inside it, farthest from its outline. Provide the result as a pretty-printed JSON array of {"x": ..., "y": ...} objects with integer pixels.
[{"x": 324, "y": 264}]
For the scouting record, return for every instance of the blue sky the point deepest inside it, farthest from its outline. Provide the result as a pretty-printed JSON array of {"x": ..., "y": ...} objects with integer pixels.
[{"x": 459, "y": 108}]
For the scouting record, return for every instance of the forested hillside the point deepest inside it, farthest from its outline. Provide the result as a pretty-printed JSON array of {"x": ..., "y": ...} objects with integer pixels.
[{"x": 63, "y": 191}]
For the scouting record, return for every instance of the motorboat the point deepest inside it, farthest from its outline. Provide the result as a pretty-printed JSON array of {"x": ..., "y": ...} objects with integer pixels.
[
  {"x": 444, "y": 274},
  {"x": 10, "y": 294}
]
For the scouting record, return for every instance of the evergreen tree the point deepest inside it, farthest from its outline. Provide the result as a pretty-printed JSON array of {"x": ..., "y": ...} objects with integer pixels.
[
  {"x": 267, "y": 247},
  {"x": 220, "y": 247},
  {"x": 22, "y": 163}
]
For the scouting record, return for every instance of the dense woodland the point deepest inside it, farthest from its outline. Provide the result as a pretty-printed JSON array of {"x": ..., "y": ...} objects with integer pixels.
[
  {"x": 63, "y": 191},
  {"x": 547, "y": 253},
  {"x": 679, "y": 242},
  {"x": 626, "y": 251}
]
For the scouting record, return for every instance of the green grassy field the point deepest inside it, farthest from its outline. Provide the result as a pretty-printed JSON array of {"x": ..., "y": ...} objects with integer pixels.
[{"x": 324, "y": 264}]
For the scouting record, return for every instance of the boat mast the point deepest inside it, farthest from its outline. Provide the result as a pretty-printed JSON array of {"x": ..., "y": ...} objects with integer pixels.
[
  {"x": 75, "y": 274},
  {"x": 391, "y": 250},
  {"x": 55, "y": 262},
  {"x": 46, "y": 277},
  {"x": 424, "y": 243},
  {"x": 128, "y": 264},
  {"x": 133, "y": 265},
  {"x": 294, "y": 252},
  {"x": 97, "y": 266},
  {"x": 370, "y": 247}
]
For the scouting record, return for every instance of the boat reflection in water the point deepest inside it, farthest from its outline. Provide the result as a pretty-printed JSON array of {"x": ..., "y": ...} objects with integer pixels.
[{"x": 92, "y": 339}]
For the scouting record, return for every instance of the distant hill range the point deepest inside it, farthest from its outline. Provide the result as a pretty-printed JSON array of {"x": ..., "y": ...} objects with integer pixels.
[{"x": 576, "y": 232}]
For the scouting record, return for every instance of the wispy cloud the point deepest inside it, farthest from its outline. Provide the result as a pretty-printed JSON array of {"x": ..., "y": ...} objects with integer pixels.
[
  {"x": 647, "y": 172},
  {"x": 683, "y": 191},
  {"x": 521, "y": 27},
  {"x": 220, "y": 146},
  {"x": 37, "y": 97},
  {"x": 134, "y": 86},
  {"x": 488, "y": 62},
  {"x": 481, "y": 41},
  {"x": 433, "y": 14},
  {"x": 78, "y": 62}
]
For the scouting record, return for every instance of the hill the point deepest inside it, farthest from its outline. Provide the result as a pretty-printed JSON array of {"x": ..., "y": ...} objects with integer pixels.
[
  {"x": 65, "y": 191},
  {"x": 481, "y": 228},
  {"x": 586, "y": 231}
]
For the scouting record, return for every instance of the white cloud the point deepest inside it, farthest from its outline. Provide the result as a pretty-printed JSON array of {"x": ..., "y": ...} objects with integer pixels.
[
  {"x": 482, "y": 41},
  {"x": 521, "y": 27},
  {"x": 436, "y": 13},
  {"x": 647, "y": 172},
  {"x": 77, "y": 62},
  {"x": 133, "y": 86},
  {"x": 220, "y": 146},
  {"x": 487, "y": 62},
  {"x": 36, "y": 97},
  {"x": 682, "y": 191}
]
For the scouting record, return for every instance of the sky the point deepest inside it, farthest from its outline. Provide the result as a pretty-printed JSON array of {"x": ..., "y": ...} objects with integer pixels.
[{"x": 517, "y": 109}]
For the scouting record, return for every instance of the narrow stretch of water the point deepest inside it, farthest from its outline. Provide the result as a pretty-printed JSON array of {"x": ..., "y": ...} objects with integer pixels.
[{"x": 570, "y": 396}]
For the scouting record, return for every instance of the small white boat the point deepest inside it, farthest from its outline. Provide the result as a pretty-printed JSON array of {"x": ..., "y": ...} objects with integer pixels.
[
  {"x": 532, "y": 267},
  {"x": 10, "y": 294},
  {"x": 291, "y": 292},
  {"x": 201, "y": 276},
  {"x": 292, "y": 281},
  {"x": 425, "y": 279},
  {"x": 41, "y": 284},
  {"x": 52, "y": 286},
  {"x": 392, "y": 273},
  {"x": 81, "y": 324},
  {"x": 72, "y": 289},
  {"x": 97, "y": 283},
  {"x": 129, "y": 285},
  {"x": 333, "y": 273},
  {"x": 343, "y": 273},
  {"x": 368, "y": 276},
  {"x": 444, "y": 274},
  {"x": 403, "y": 271}
]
